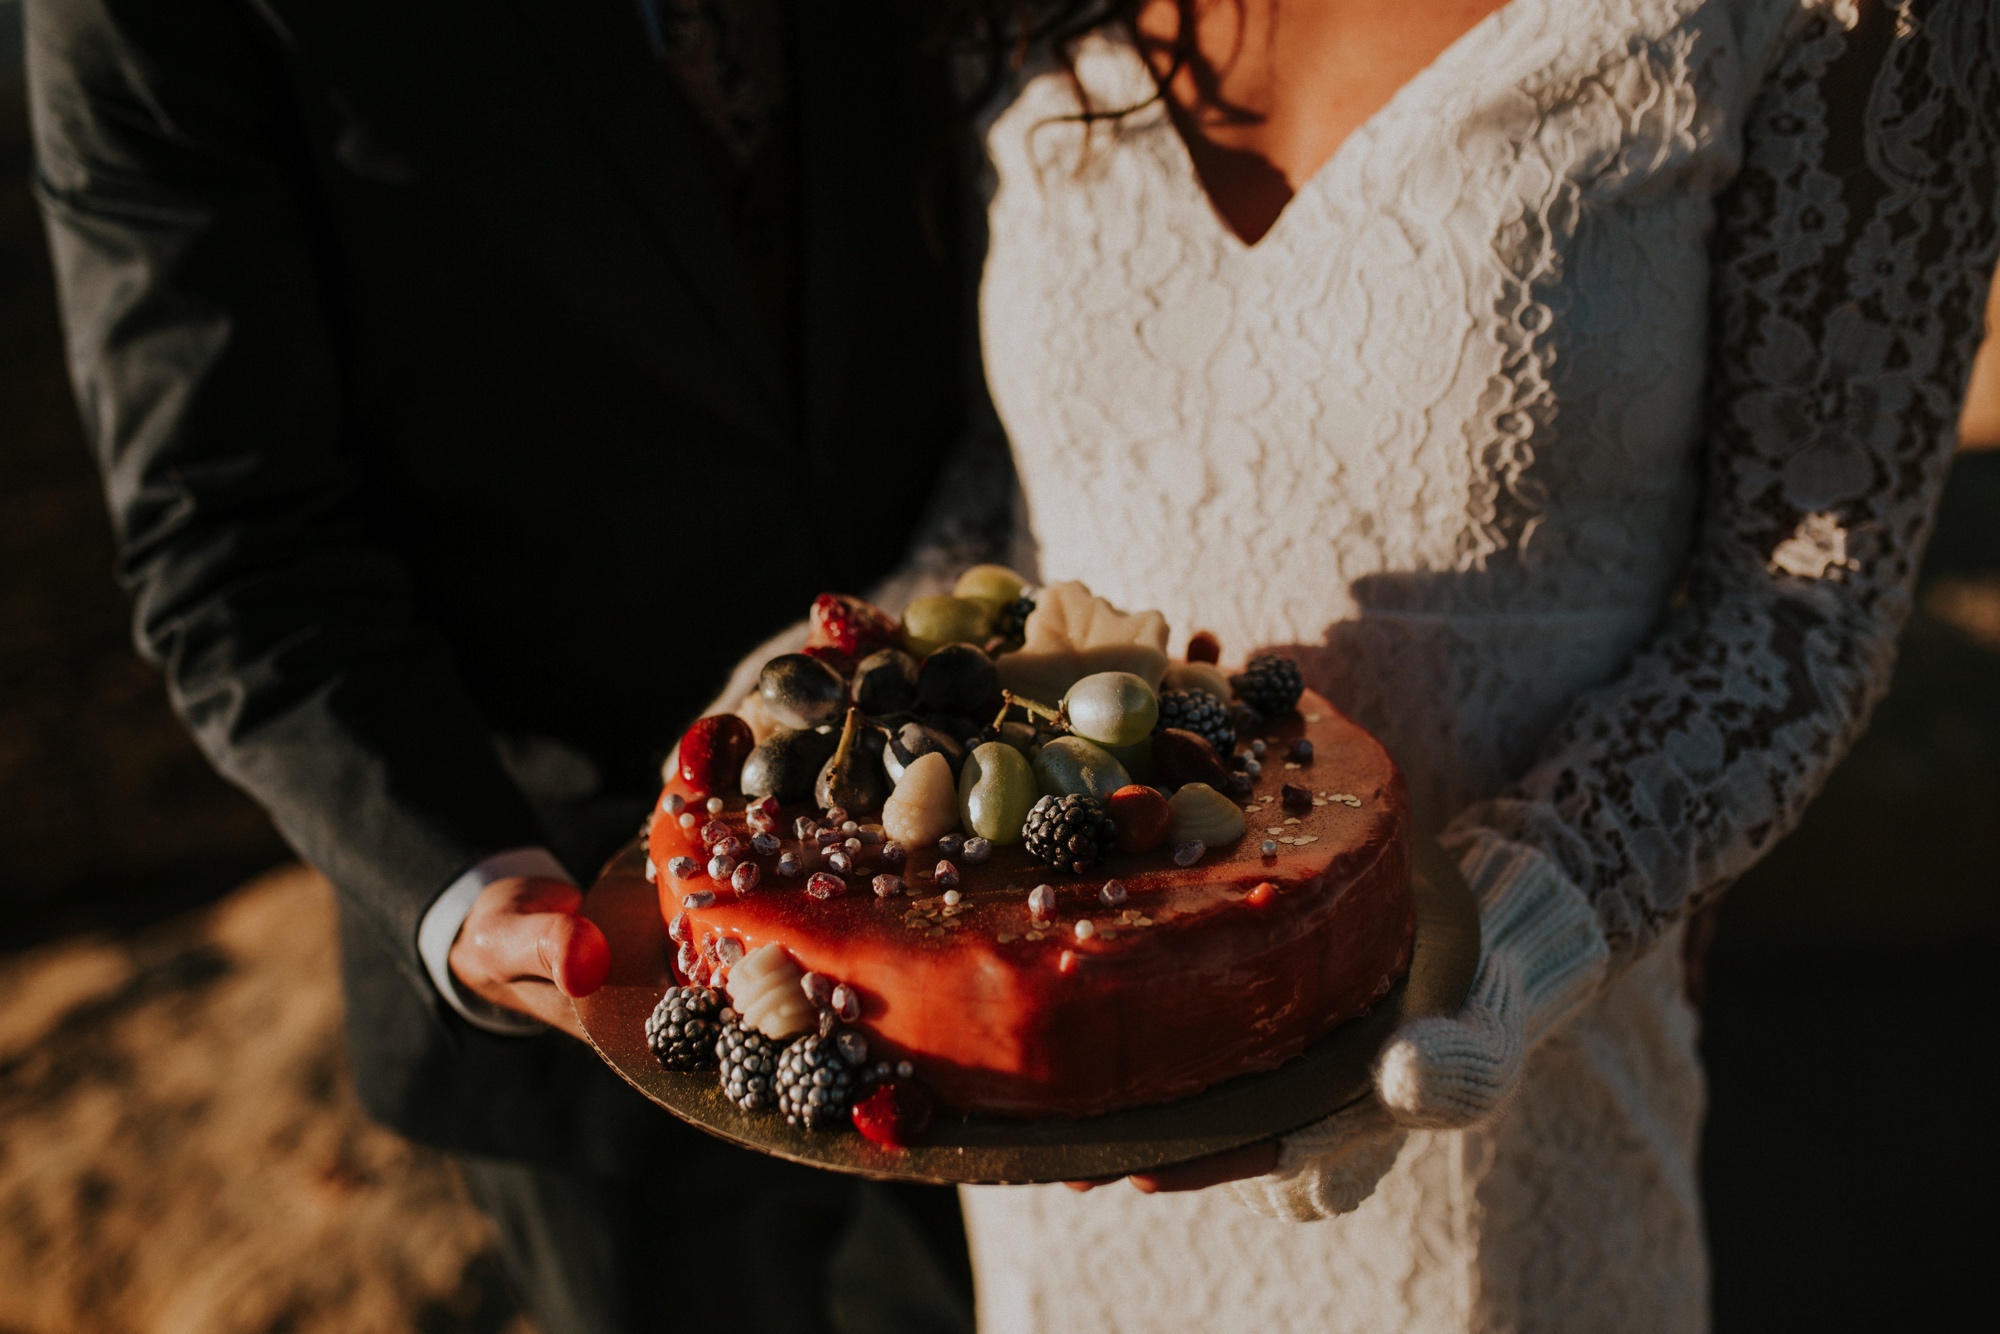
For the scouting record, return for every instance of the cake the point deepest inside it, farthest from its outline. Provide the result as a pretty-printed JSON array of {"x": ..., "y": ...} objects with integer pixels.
[{"x": 1106, "y": 956}]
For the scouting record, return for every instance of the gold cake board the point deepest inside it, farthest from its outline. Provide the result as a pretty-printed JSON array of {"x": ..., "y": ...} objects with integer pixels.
[{"x": 1331, "y": 1074}]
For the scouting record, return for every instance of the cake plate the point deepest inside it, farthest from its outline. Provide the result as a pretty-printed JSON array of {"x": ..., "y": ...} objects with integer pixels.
[{"x": 1329, "y": 1076}]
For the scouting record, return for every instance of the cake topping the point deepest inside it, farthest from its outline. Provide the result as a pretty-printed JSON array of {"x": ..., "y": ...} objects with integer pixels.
[
  {"x": 814, "y": 1083},
  {"x": 1269, "y": 684},
  {"x": 764, "y": 988},
  {"x": 683, "y": 1027},
  {"x": 747, "y": 1063},
  {"x": 1201, "y": 814},
  {"x": 1071, "y": 833}
]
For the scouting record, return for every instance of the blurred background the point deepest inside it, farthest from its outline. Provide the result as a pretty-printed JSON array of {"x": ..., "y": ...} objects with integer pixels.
[{"x": 179, "y": 1149}]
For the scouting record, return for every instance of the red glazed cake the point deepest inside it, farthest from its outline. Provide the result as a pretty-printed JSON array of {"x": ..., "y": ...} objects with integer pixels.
[{"x": 1137, "y": 981}]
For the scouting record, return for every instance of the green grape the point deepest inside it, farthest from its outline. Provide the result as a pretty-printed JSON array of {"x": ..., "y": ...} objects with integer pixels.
[
  {"x": 1112, "y": 708},
  {"x": 995, "y": 585},
  {"x": 1071, "y": 764},
  {"x": 996, "y": 789},
  {"x": 929, "y": 623}
]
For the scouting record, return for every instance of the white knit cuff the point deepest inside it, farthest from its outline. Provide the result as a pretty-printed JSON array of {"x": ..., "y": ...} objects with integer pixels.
[{"x": 1530, "y": 914}]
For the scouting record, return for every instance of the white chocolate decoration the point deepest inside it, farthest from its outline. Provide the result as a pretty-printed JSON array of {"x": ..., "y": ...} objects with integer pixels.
[
  {"x": 924, "y": 806},
  {"x": 764, "y": 988},
  {"x": 1200, "y": 813},
  {"x": 1073, "y": 633}
]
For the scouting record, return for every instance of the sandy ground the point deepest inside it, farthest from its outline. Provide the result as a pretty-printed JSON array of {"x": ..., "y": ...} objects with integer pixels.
[{"x": 182, "y": 1153}]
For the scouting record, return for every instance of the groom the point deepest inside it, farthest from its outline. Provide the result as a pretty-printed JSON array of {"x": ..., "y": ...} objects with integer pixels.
[{"x": 473, "y": 384}]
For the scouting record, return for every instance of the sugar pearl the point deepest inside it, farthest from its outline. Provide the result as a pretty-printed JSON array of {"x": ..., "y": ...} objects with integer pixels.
[
  {"x": 689, "y": 820},
  {"x": 714, "y": 805},
  {"x": 1269, "y": 847},
  {"x": 673, "y": 803},
  {"x": 1085, "y": 929},
  {"x": 951, "y": 898}
]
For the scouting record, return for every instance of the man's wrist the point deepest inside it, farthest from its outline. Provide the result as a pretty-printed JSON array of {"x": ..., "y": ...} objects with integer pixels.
[{"x": 443, "y": 920}]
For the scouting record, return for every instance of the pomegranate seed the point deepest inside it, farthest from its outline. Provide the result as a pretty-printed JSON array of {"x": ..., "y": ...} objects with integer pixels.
[
  {"x": 1203, "y": 646},
  {"x": 1296, "y": 798},
  {"x": 846, "y": 1002},
  {"x": 818, "y": 988},
  {"x": 1262, "y": 894},
  {"x": 889, "y": 886},
  {"x": 746, "y": 877},
  {"x": 824, "y": 886}
]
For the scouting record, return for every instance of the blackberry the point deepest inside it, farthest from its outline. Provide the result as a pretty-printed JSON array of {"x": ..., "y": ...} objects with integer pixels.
[
  {"x": 1199, "y": 712},
  {"x": 815, "y": 1083},
  {"x": 1069, "y": 833},
  {"x": 682, "y": 1028},
  {"x": 749, "y": 1066},
  {"x": 1010, "y": 623},
  {"x": 1269, "y": 684}
]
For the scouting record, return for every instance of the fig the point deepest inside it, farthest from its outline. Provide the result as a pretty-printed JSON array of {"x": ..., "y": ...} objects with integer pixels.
[
  {"x": 801, "y": 691},
  {"x": 924, "y": 806},
  {"x": 712, "y": 753},
  {"x": 996, "y": 789},
  {"x": 957, "y": 679},
  {"x": 787, "y": 763},
  {"x": 1071, "y": 764},
  {"x": 929, "y": 623},
  {"x": 885, "y": 682},
  {"x": 1112, "y": 708},
  {"x": 852, "y": 779},
  {"x": 1181, "y": 757}
]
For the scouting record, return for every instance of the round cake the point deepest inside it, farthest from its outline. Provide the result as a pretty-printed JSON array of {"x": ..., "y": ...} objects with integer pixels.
[
  {"x": 1198, "y": 973},
  {"x": 1101, "y": 957}
]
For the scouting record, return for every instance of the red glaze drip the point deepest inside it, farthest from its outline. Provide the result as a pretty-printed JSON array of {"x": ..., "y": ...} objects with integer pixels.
[{"x": 1226, "y": 979}]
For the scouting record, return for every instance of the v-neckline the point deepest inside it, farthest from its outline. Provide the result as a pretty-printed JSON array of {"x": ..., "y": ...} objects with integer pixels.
[{"x": 1370, "y": 128}]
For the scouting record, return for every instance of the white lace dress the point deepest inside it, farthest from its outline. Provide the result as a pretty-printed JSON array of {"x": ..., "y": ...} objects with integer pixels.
[{"x": 1578, "y": 428}]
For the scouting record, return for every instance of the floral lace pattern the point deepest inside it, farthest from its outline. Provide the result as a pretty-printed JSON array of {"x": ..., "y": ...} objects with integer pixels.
[{"x": 1578, "y": 428}]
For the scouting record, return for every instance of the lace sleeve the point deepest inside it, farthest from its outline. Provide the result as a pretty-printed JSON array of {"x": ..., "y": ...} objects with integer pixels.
[{"x": 1851, "y": 266}]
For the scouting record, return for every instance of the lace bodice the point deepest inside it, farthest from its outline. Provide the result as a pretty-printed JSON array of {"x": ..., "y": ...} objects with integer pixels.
[{"x": 1578, "y": 425}]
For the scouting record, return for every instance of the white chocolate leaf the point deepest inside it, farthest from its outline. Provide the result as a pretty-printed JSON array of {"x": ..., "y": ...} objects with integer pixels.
[{"x": 1073, "y": 633}]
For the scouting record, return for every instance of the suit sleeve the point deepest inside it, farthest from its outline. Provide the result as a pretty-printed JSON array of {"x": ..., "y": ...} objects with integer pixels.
[{"x": 174, "y": 181}]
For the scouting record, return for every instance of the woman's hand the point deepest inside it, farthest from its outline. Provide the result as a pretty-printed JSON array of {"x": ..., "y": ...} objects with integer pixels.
[
  {"x": 1252, "y": 1160},
  {"x": 524, "y": 946}
]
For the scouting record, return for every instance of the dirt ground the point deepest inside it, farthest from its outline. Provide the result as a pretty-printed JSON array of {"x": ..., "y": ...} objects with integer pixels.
[{"x": 179, "y": 1149}]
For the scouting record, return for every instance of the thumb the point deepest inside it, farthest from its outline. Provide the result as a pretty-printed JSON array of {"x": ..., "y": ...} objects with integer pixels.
[
  {"x": 534, "y": 934},
  {"x": 1441, "y": 1073}
]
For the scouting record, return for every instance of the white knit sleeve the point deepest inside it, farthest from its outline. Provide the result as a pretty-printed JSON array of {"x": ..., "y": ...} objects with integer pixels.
[{"x": 1852, "y": 260}]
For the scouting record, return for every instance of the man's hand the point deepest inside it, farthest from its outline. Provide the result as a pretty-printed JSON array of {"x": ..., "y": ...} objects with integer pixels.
[{"x": 524, "y": 946}]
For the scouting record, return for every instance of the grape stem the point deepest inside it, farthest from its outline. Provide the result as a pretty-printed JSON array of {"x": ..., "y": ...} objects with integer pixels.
[{"x": 1033, "y": 708}]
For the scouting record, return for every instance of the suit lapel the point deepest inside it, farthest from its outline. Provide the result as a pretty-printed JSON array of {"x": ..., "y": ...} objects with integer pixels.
[{"x": 599, "y": 48}]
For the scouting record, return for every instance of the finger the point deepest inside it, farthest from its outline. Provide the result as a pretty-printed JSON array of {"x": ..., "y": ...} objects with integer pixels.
[
  {"x": 1253, "y": 1160},
  {"x": 540, "y": 1000},
  {"x": 1080, "y": 1186},
  {"x": 500, "y": 944}
]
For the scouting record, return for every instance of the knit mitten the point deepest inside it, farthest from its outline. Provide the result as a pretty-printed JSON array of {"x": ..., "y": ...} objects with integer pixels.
[{"x": 1542, "y": 957}]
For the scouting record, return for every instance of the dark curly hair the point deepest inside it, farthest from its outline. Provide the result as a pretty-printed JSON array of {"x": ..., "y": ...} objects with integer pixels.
[{"x": 998, "y": 35}]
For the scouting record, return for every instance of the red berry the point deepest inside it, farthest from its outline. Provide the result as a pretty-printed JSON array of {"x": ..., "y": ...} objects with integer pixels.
[
  {"x": 1264, "y": 892},
  {"x": 894, "y": 1114},
  {"x": 851, "y": 625},
  {"x": 1204, "y": 647},
  {"x": 1142, "y": 817},
  {"x": 713, "y": 751}
]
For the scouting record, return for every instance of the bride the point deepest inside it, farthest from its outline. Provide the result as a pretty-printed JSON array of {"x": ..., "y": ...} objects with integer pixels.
[{"x": 1567, "y": 385}]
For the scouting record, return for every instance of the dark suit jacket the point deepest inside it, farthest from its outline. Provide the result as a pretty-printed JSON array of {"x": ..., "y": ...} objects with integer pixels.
[{"x": 432, "y": 400}]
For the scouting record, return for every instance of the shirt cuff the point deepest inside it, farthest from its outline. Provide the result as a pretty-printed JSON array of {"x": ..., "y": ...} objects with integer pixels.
[{"x": 438, "y": 932}]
